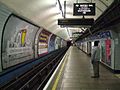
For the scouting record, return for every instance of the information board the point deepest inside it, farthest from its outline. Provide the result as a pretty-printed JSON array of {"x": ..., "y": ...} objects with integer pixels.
[{"x": 84, "y": 9}]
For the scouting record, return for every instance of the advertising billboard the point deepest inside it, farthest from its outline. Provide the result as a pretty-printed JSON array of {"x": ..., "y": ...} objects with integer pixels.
[
  {"x": 18, "y": 41},
  {"x": 43, "y": 42},
  {"x": 58, "y": 43},
  {"x": 51, "y": 46},
  {"x": 108, "y": 51}
]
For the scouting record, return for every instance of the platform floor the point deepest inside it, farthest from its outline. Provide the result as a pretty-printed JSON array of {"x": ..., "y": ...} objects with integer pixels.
[{"x": 77, "y": 73}]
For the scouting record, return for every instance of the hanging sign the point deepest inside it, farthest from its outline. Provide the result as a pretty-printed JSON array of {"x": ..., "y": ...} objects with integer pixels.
[{"x": 84, "y": 9}]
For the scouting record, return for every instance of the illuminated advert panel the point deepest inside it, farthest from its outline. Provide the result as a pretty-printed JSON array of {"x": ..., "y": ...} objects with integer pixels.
[{"x": 84, "y": 9}]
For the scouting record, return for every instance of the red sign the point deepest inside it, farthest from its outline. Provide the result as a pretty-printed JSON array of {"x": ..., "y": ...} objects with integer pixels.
[{"x": 108, "y": 49}]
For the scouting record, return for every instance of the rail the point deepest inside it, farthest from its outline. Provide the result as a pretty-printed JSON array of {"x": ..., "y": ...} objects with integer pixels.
[{"x": 38, "y": 75}]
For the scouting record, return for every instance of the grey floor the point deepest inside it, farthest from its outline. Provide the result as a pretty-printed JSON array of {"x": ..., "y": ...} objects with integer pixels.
[{"x": 78, "y": 71}]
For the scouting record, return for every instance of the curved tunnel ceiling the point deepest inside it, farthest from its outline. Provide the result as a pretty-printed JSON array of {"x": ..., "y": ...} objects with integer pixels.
[{"x": 45, "y": 13}]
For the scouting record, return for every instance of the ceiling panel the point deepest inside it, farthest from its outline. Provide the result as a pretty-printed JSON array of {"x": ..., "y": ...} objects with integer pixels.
[{"x": 46, "y": 12}]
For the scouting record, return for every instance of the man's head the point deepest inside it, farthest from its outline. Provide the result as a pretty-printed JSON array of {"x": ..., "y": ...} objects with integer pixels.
[{"x": 96, "y": 43}]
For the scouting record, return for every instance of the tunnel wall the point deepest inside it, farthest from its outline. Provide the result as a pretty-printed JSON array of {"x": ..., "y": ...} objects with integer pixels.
[{"x": 22, "y": 40}]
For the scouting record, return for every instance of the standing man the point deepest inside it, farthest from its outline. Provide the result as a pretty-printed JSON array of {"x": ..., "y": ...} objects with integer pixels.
[{"x": 95, "y": 58}]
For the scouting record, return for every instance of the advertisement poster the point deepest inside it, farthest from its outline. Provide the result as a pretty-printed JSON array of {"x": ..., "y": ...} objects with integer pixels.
[
  {"x": 51, "y": 46},
  {"x": 63, "y": 43},
  {"x": 108, "y": 51},
  {"x": 43, "y": 42},
  {"x": 18, "y": 42},
  {"x": 58, "y": 43}
]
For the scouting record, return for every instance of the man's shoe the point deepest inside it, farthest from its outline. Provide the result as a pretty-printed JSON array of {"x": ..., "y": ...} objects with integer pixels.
[{"x": 94, "y": 76}]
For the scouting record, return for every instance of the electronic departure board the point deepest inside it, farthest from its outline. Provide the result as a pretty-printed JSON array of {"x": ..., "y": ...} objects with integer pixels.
[
  {"x": 84, "y": 9},
  {"x": 76, "y": 21}
]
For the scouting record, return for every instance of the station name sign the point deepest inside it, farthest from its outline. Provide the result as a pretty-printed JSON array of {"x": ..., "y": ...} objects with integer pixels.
[{"x": 84, "y": 9}]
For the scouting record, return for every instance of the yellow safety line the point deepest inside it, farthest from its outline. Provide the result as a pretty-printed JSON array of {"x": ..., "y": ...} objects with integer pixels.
[{"x": 58, "y": 77}]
